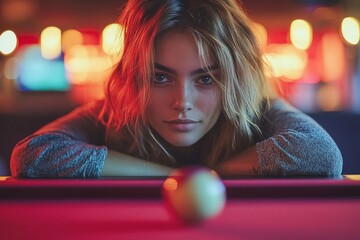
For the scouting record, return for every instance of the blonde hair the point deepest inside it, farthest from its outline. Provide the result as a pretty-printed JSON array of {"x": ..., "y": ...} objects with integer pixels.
[{"x": 222, "y": 32}]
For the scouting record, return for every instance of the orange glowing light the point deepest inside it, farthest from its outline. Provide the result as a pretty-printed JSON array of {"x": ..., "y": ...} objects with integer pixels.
[
  {"x": 71, "y": 38},
  {"x": 353, "y": 177},
  {"x": 334, "y": 59},
  {"x": 329, "y": 98},
  {"x": 285, "y": 62},
  {"x": 170, "y": 184},
  {"x": 2, "y": 178},
  {"x": 83, "y": 93},
  {"x": 87, "y": 64}
]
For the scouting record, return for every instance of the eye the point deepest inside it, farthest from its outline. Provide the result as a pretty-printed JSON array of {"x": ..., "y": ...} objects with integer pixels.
[
  {"x": 205, "y": 80},
  {"x": 160, "y": 78}
]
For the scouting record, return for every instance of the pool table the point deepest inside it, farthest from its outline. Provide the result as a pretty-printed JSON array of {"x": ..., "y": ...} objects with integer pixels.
[{"x": 299, "y": 208}]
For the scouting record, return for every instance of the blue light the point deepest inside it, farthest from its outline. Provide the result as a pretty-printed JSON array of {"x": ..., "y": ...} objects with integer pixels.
[{"x": 39, "y": 74}]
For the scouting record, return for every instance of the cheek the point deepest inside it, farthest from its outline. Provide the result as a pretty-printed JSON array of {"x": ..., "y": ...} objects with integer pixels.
[
  {"x": 156, "y": 105},
  {"x": 211, "y": 104}
]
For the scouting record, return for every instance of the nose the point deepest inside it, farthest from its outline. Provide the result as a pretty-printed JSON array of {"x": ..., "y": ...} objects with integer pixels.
[{"x": 182, "y": 97}]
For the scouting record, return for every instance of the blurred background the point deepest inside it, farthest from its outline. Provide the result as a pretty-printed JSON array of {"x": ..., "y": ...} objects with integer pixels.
[{"x": 56, "y": 55}]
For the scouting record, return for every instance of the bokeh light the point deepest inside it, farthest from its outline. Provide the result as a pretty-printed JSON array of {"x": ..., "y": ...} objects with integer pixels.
[
  {"x": 285, "y": 61},
  {"x": 301, "y": 34},
  {"x": 51, "y": 42},
  {"x": 170, "y": 184},
  {"x": 8, "y": 42},
  {"x": 71, "y": 38},
  {"x": 350, "y": 30},
  {"x": 39, "y": 74},
  {"x": 10, "y": 68},
  {"x": 112, "y": 39},
  {"x": 87, "y": 64},
  {"x": 329, "y": 98},
  {"x": 333, "y": 57}
]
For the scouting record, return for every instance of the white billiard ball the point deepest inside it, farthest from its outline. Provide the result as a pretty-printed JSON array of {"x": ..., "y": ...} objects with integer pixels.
[{"x": 194, "y": 194}]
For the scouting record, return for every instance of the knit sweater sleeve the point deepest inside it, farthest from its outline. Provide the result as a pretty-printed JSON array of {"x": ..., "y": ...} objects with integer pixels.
[
  {"x": 68, "y": 147},
  {"x": 296, "y": 145}
]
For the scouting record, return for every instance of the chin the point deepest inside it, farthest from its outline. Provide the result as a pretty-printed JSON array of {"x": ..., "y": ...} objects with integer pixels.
[{"x": 181, "y": 142}]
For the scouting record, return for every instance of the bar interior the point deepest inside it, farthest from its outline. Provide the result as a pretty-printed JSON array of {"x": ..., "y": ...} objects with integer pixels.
[{"x": 56, "y": 55}]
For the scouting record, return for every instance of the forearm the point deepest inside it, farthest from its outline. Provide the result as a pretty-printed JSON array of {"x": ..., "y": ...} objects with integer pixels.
[
  {"x": 290, "y": 153},
  {"x": 298, "y": 154},
  {"x": 119, "y": 164},
  {"x": 242, "y": 164},
  {"x": 294, "y": 145},
  {"x": 55, "y": 154}
]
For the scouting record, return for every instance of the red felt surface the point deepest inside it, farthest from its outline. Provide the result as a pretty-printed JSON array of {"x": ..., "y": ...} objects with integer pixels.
[
  {"x": 242, "y": 219},
  {"x": 279, "y": 216}
]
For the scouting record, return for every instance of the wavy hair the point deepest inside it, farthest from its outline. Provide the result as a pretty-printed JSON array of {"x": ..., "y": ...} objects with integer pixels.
[{"x": 222, "y": 33}]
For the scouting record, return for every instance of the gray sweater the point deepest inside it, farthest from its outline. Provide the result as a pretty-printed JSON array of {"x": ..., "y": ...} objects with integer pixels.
[{"x": 74, "y": 146}]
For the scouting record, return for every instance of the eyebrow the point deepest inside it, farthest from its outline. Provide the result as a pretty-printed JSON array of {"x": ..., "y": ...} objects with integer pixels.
[{"x": 194, "y": 72}]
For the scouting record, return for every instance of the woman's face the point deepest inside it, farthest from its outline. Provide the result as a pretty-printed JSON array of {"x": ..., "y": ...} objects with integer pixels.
[{"x": 184, "y": 98}]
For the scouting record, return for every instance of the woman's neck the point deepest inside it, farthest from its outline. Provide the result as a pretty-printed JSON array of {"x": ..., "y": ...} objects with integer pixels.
[{"x": 190, "y": 155}]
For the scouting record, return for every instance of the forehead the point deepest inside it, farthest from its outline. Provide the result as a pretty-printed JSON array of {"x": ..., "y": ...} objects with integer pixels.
[{"x": 179, "y": 46}]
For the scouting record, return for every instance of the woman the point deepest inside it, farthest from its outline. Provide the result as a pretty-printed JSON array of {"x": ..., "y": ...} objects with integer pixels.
[{"x": 189, "y": 89}]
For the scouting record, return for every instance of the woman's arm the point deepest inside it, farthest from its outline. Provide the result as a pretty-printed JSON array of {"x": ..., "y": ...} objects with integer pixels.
[
  {"x": 294, "y": 145},
  {"x": 56, "y": 154},
  {"x": 245, "y": 163},
  {"x": 119, "y": 164},
  {"x": 71, "y": 146},
  {"x": 297, "y": 145}
]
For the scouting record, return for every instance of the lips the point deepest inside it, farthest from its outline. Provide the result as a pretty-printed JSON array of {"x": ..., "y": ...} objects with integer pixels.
[{"x": 182, "y": 125}]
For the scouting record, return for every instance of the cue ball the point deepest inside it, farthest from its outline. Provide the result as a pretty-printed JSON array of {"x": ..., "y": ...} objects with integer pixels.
[{"x": 194, "y": 194}]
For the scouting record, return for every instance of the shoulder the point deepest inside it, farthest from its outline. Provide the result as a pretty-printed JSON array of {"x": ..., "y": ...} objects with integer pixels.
[
  {"x": 282, "y": 120},
  {"x": 83, "y": 119},
  {"x": 92, "y": 108},
  {"x": 279, "y": 105},
  {"x": 280, "y": 114}
]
